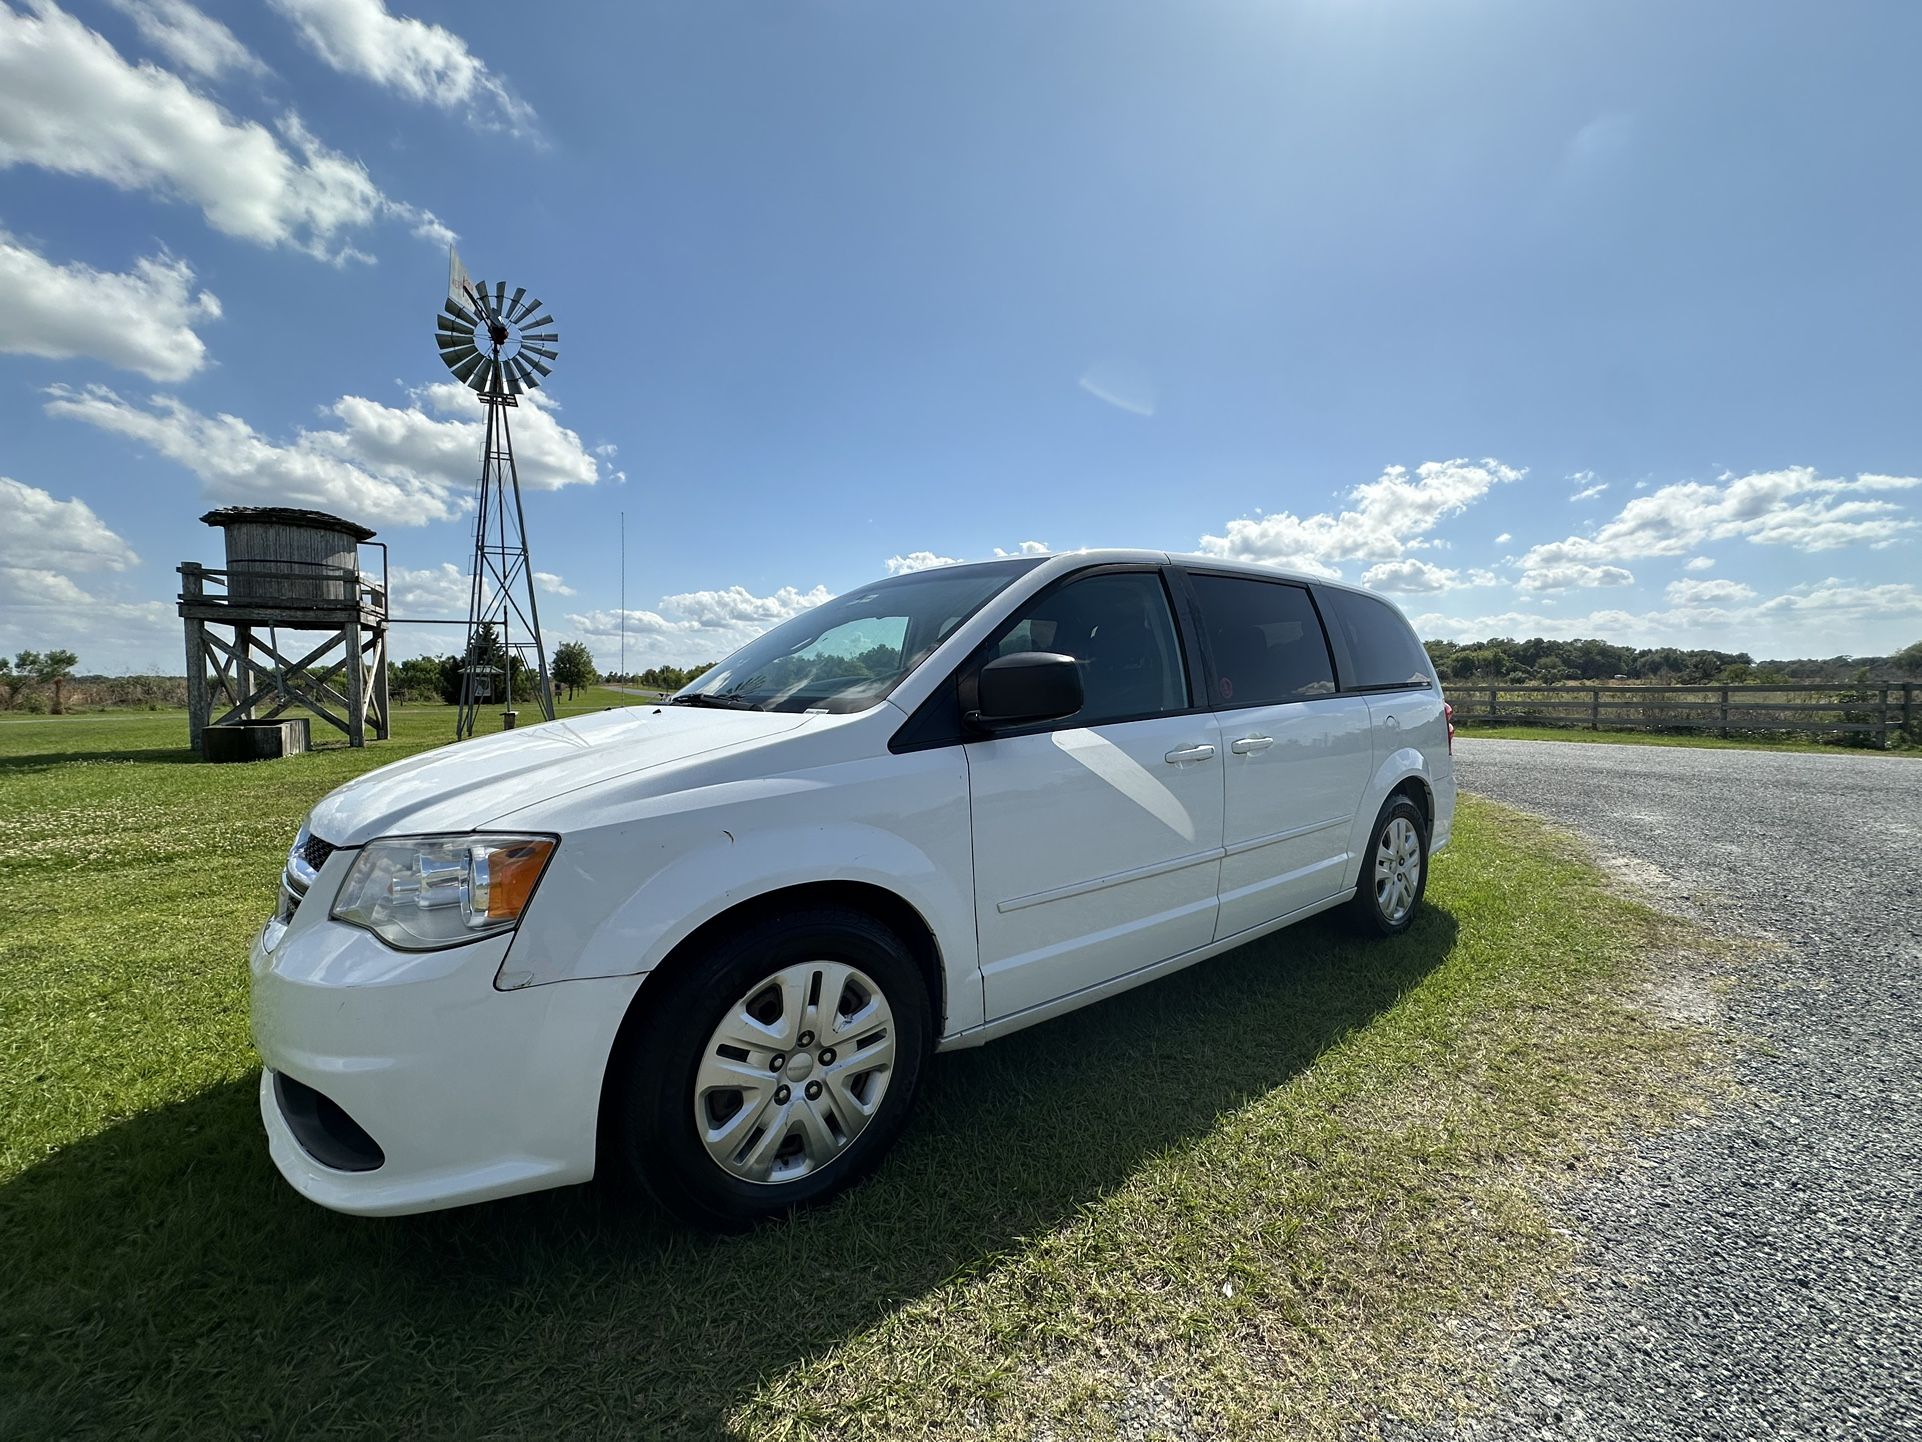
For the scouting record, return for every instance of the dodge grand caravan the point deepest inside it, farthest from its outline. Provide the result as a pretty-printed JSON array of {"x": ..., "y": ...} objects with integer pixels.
[{"x": 709, "y": 946}]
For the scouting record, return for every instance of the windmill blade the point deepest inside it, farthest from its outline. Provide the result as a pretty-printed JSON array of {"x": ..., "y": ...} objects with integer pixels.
[
  {"x": 544, "y": 320},
  {"x": 467, "y": 367},
  {"x": 540, "y": 351},
  {"x": 451, "y": 334},
  {"x": 522, "y": 358},
  {"x": 452, "y": 358},
  {"x": 488, "y": 379},
  {"x": 522, "y": 312},
  {"x": 514, "y": 301},
  {"x": 541, "y": 335},
  {"x": 527, "y": 377},
  {"x": 480, "y": 299},
  {"x": 500, "y": 296},
  {"x": 461, "y": 313},
  {"x": 513, "y": 380}
]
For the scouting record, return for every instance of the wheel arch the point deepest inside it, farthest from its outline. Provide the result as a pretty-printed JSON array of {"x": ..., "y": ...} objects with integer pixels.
[{"x": 891, "y": 909}]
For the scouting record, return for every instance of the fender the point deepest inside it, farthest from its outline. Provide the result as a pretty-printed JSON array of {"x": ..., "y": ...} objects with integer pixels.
[
  {"x": 907, "y": 834},
  {"x": 1393, "y": 769}
]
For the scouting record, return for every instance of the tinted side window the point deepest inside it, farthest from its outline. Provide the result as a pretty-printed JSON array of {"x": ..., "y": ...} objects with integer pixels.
[
  {"x": 1381, "y": 647},
  {"x": 1119, "y": 627},
  {"x": 1266, "y": 639}
]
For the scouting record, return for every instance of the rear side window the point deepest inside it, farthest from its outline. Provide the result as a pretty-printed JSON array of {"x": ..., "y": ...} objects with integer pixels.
[
  {"x": 1267, "y": 641},
  {"x": 1382, "y": 650}
]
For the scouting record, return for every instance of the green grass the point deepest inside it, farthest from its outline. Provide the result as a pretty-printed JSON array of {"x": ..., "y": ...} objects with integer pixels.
[
  {"x": 1754, "y": 741},
  {"x": 1249, "y": 1200}
]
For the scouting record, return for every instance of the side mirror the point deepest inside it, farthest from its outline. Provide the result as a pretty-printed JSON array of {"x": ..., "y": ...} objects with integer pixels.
[{"x": 1026, "y": 687}]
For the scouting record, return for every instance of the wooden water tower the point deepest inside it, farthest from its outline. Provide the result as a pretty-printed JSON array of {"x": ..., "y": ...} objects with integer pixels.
[{"x": 287, "y": 571}]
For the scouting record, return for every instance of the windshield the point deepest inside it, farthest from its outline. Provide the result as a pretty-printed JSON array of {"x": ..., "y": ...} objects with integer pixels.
[{"x": 851, "y": 652}]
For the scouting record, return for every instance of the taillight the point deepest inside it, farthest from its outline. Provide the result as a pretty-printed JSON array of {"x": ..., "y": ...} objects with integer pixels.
[{"x": 1448, "y": 715}]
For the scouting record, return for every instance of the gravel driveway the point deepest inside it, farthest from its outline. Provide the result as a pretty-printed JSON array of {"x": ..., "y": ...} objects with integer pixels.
[{"x": 1760, "y": 1275}]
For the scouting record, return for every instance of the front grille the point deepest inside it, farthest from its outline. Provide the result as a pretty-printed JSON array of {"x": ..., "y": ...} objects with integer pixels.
[
  {"x": 304, "y": 860},
  {"x": 312, "y": 850}
]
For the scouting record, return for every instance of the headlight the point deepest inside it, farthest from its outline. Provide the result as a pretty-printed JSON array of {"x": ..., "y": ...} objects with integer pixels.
[{"x": 420, "y": 893}]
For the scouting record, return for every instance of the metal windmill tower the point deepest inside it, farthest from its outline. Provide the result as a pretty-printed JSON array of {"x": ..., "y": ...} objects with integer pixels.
[{"x": 495, "y": 344}]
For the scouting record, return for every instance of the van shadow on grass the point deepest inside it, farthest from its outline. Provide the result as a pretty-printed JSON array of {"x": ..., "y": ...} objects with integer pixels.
[
  {"x": 161, "y": 1278},
  {"x": 49, "y": 760}
]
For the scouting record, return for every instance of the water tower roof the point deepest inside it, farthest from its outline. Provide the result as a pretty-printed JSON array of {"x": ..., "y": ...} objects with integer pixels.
[{"x": 286, "y": 516}]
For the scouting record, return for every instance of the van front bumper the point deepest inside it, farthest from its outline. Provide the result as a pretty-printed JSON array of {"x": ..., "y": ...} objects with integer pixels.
[{"x": 467, "y": 1093}]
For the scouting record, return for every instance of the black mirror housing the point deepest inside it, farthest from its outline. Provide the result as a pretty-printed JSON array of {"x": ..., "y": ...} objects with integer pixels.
[{"x": 1025, "y": 688}]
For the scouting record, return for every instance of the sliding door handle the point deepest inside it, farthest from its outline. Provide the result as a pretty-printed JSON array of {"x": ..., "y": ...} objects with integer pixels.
[
  {"x": 1248, "y": 745},
  {"x": 1189, "y": 753}
]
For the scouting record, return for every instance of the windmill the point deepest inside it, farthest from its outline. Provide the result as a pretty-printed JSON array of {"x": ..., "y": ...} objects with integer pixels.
[{"x": 495, "y": 344}]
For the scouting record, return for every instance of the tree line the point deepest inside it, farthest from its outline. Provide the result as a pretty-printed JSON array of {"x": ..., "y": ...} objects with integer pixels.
[{"x": 1541, "y": 662}]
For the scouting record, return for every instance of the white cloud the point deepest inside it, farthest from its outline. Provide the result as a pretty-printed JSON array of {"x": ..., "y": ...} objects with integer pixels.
[
  {"x": 142, "y": 320},
  {"x": 691, "y": 627},
  {"x": 552, "y": 584},
  {"x": 443, "y": 590},
  {"x": 42, "y": 606},
  {"x": 1572, "y": 575},
  {"x": 918, "y": 561},
  {"x": 1823, "y": 618},
  {"x": 1389, "y": 516},
  {"x": 43, "y": 532},
  {"x": 1588, "y": 493},
  {"x": 191, "y": 38},
  {"x": 1791, "y": 507},
  {"x": 76, "y": 107},
  {"x": 927, "y": 560},
  {"x": 381, "y": 465},
  {"x": 1410, "y": 577},
  {"x": 1707, "y": 593},
  {"x": 1504, "y": 538},
  {"x": 426, "y": 63},
  {"x": 1699, "y": 563}
]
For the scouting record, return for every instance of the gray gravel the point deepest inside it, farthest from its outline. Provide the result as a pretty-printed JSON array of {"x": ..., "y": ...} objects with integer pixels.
[{"x": 1758, "y": 1275}]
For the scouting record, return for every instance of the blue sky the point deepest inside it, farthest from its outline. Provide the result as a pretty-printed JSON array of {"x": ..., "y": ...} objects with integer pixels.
[{"x": 1571, "y": 319}]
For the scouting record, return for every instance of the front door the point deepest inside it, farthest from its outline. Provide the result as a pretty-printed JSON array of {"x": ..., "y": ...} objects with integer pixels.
[
  {"x": 1297, "y": 757},
  {"x": 1097, "y": 840}
]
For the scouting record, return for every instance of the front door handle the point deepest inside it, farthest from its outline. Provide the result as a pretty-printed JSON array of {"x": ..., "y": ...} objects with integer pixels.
[
  {"x": 1248, "y": 745},
  {"x": 1189, "y": 753}
]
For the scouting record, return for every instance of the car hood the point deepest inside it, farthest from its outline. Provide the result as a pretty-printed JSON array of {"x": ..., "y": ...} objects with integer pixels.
[{"x": 464, "y": 786}]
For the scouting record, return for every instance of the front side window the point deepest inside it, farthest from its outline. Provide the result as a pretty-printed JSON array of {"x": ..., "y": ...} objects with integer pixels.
[
  {"x": 1120, "y": 629},
  {"x": 848, "y": 654},
  {"x": 1266, "y": 640},
  {"x": 1382, "y": 650}
]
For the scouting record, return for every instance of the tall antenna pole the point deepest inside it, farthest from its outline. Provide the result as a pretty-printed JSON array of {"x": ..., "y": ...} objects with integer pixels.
[{"x": 624, "y": 680}]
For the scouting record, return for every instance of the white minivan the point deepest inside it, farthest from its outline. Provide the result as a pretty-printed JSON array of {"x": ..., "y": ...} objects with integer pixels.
[{"x": 709, "y": 946}]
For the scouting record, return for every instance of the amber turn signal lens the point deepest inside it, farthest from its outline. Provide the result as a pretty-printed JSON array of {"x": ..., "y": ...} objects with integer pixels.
[{"x": 513, "y": 872}]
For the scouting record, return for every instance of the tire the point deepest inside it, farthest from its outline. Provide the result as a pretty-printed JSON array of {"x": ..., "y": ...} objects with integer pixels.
[
  {"x": 721, "y": 1155},
  {"x": 1387, "y": 898}
]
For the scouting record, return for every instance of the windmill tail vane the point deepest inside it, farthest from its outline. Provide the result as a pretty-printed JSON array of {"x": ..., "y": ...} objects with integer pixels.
[{"x": 499, "y": 347}]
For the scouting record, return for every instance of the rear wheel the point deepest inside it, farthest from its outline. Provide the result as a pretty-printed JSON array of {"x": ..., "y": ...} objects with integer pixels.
[
  {"x": 1394, "y": 870},
  {"x": 771, "y": 1073}
]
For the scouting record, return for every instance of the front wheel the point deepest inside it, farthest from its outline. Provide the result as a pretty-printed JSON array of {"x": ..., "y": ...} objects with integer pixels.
[
  {"x": 773, "y": 1072},
  {"x": 1394, "y": 870}
]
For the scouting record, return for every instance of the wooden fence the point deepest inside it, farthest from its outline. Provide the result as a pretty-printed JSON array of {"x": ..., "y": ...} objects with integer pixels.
[{"x": 1872, "y": 711}]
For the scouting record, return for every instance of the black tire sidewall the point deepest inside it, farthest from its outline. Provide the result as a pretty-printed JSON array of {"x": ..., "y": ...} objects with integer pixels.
[
  {"x": 652, "y": 1131},
  {"x": 1367, "y": 905}
]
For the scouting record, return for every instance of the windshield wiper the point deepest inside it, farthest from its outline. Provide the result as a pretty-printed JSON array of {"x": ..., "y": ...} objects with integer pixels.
[{"x": 724, "y": 703}]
